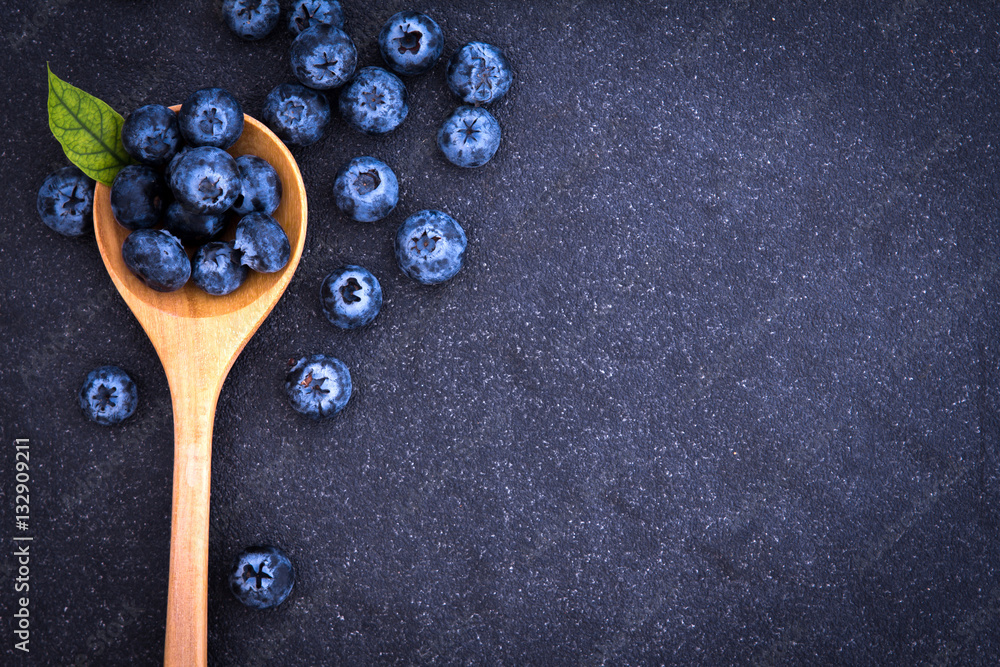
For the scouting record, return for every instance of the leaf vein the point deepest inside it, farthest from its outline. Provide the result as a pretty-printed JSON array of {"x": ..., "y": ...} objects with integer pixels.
[{"x": 82, "y": 127}]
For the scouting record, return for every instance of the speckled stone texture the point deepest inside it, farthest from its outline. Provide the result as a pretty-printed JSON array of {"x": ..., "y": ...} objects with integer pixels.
[{"x": 718, "y": 385}]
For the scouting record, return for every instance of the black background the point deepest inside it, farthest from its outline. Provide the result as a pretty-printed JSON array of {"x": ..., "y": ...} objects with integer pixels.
[{"x": 717, "y": 385}]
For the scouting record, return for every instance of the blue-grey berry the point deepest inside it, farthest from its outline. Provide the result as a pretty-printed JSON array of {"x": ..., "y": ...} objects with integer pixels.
[
  {"x": 410, "y": 43},
  {"x": 479, "y": 73},
  {"x": 374, "y": 102},
  {"x": 108, "y": 395},
  {"x": 251, "y": 19},
  {"x": 366, "y": 189},
  {"x": 318, "y": 386},
  {"x": 157, "y": 258},
  {"x": 216, "y": 268},
  {"x": 205, "y": 180},
  {"x": 298, "y": 115},
  {"x": 323, "y": 57},
  {"x": 469, "y": 137},
  {"x": 211, "y": 117},
  {"x": 138, "y": 197},
  {"x": 262, "y": 577},
  {"x": 193, "y": 228},
  {"x": 65, "y": 201},
  {"x": 151, "y": 134},
  {"x": 262, "y": 242},
  {"x": 430, "y": 247},
  {"x": 351, "y": 297},
  {"x": 304, "y": 14},
  {"x": 261, "y": 187}
]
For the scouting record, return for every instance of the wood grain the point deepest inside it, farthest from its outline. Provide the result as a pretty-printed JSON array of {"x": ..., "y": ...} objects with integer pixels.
[{"x": 198, "y": 337}]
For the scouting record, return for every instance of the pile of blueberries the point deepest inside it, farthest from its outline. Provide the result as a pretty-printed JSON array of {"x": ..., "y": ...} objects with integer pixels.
[
  {"x": 202, "y": 185},
  {"x": 182, "y": 191},
  {"x": 186, "y": 187}
]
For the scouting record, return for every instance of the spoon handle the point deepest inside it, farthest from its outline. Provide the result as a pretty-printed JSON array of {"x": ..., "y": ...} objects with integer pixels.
[{"x": 187, "y": 590}]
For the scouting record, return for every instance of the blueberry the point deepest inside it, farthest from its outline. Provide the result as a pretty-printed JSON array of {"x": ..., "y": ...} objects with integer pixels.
[
  {"x": 216, "y": 268},
  {"x": 185, "y": 149},
  {"x": 478, "y": 73},
  {"x": 262, "y": 577},
  {"x": 263, "y": 242},
  {"x": 351, "y": 297},
  {"x": 318, "y": 386},
  {"x": 430, "y": 247},
  {"x": 469, "y": 137},
  {"x": 211, "y": 117},
  {"x": 251, "y": 19},
  {"x": 157, "y": 258},
  {"x": 411, "y": 43},
  {"x": 205, "y": 180},
  {"x": 323, "y": 57},
  {"x": 374, "y": 102},
  {"x": 65, "y": 201},
  {"x": 138, "y": 197},
  {"x": 307, "y": 13},
  {"x": 192, "y": 227},
  {"x": 151, "y": 135},
  {"x": 108, "y": 395},
  {"x": 298, "y": 115},
  {"x": 366, "y": 189},
  {"x": 261, "y": 189}
]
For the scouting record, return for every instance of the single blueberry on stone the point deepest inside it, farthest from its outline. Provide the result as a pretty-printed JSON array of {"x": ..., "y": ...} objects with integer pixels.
[
  {"x": 366, "y": 189},
  {"x": 307, "y": 13},
  {"x": 138, "y": 197},
  {"x": 374, "y": 102},
  {"x": 251, "y": 19},
  {"x": 262, "y": 577},
  {"x": 469, "y": 137},
  {"x": 263, "y": 243},
  {"x": 108, "y": 395},
  {"x": 211, "y": 117},
  {"x": 157, "y": 258},
  {"x": 411, "y": 43},
  {"x": 430, "y": 247},
  {"x": 479, "y": 73},
  {"x": 65, "y": 201},
  {"x": 216, "y": 268},
  {"x": 318, "y": 386},
  {"x": 351, "y": 297},
  {"x": 298, "y": 115},
  {"x": 323, "y": 57},
  {"x": 152, "y": 135}
]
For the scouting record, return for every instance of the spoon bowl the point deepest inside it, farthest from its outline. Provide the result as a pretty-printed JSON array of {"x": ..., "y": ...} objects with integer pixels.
[{"x": 198, "y": 336}]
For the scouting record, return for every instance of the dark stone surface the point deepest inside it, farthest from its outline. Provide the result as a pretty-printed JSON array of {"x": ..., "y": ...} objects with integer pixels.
[{"x": 718, "y": 384}]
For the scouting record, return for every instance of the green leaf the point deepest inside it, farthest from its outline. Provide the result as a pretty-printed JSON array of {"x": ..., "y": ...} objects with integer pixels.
[{"x": 89, "y": 130}]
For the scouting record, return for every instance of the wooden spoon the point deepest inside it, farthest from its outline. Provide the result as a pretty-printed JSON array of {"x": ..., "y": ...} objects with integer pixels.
[{"x": 198, "y": 337}]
